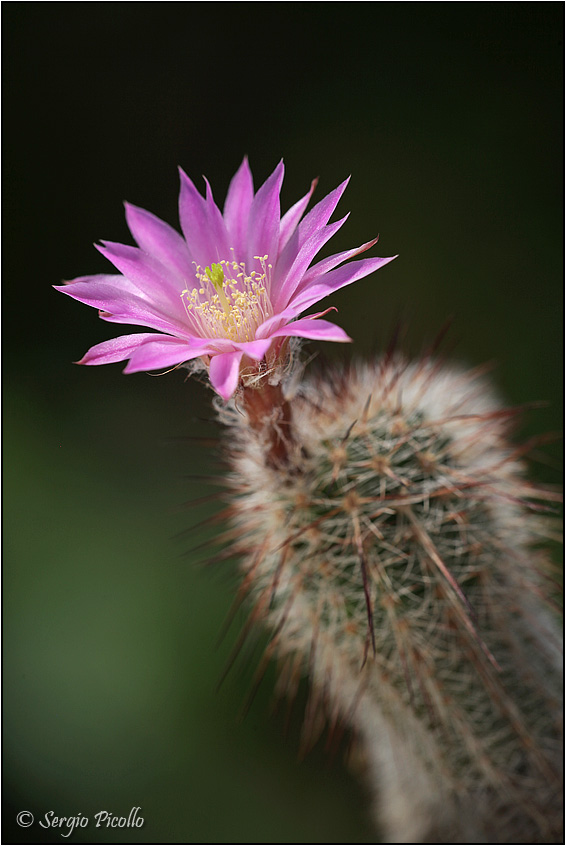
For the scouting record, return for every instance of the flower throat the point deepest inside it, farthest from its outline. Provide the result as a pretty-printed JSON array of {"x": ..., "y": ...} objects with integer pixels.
[{"x": 229, "y": 302}]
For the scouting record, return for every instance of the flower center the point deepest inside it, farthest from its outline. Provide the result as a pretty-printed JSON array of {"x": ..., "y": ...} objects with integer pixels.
[{"x": 229, "y": 303}]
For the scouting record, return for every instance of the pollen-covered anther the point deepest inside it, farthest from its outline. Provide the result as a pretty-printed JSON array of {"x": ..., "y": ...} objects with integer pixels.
[{"x": 228, "y": 302}]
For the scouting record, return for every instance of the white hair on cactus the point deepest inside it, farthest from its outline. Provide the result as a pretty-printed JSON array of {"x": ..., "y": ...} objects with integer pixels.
[{"x": 386, "y": 533}]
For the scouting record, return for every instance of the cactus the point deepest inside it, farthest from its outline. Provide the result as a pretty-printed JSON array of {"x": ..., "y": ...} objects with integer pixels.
[
  {"x": 388, "y": 541},
  {"x": 386, "y": 532}
]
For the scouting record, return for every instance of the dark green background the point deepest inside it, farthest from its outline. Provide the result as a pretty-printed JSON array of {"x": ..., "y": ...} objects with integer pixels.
[{"x": 449, "y": 117}]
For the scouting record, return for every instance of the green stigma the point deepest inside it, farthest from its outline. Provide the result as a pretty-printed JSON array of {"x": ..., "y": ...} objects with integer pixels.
[{"x": 216, "y": 275}]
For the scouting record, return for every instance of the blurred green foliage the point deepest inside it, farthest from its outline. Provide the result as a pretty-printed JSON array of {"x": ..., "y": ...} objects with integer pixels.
[{"x": 449, "y": 118}]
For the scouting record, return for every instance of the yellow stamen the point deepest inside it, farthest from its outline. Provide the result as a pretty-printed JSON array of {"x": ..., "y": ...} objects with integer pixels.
[{"x": 239, "y": 304}]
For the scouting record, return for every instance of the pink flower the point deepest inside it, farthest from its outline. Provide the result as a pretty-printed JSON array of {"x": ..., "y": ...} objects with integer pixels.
[{"x": 231, "y": 290}]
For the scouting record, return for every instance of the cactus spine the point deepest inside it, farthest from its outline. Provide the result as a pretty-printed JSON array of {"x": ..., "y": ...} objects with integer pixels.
[{"x": 386, "y": 535}]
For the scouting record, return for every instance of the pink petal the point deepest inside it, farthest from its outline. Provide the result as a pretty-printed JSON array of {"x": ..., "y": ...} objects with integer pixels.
[
  {"x": 315, "y": 220},
  {"x": 308, "y": 327},
  {"x": 157, "y": 238},
  {"x": 321, "y": 213},
  {"x": 200, "y": 223},
  {"x": 224, "y": 373},
  {"x": 284, "y": 291},
  {"x": 335, "y": 280},
  {"x": 331, "y": 262},
  {"x": 152, "y": 278},
  {"x": 291, "y": 218},
  {"x": 112, "y": 280},
  {"x": 255, "y": 349},
  {"x": 237, "y": 209},
  {"x": 264, "y": 219},
  {"x": 218, "y": 231},
  {"x": 122, "y": 302},
  {"x": 129, "y": 318},
  {"x": 116, "y": 349},
  {"x": 161, "y": 351},
  {"x": 269, "y": 326}
]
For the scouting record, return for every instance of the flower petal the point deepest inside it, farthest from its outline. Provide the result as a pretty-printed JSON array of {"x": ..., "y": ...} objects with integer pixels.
[
  {"x": 157, "y": 238},
  {"x": 224, "y": 372},
  {"x": 255, "y": 349},
  {"x": 307, "y": 252},
  {"x": 116, "y": 349},
  {"x": 151, "y": 277},
  {"x": 97, "y": 283},
  {"x": 331, "y": 262},
  {"x": 216, "y": 224},
  {"x": 162, "y": 351},
  {"x": 321, "y": 213},
  {"x": 122, "y": 302},
  {"x": 315, "y": 221},
  {"x": 291, "y": 218},
  {"x": 266, "y": 329},
  {"x": 200, "y": 223},
  {"x": 264, "y": 219},
  {"x": 237, "y": 209},
  {"x": 333, "y": 281},
  {"x": 147, "y": 350},
  {"x": 308, "y": 327}
]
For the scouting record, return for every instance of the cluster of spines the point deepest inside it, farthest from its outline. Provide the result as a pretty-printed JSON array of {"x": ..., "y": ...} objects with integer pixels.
[{"x": 388, "y": 550}]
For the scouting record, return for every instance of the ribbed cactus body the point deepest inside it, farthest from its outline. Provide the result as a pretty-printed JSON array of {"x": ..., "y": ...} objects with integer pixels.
[{"x": 388, "y": 545}]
